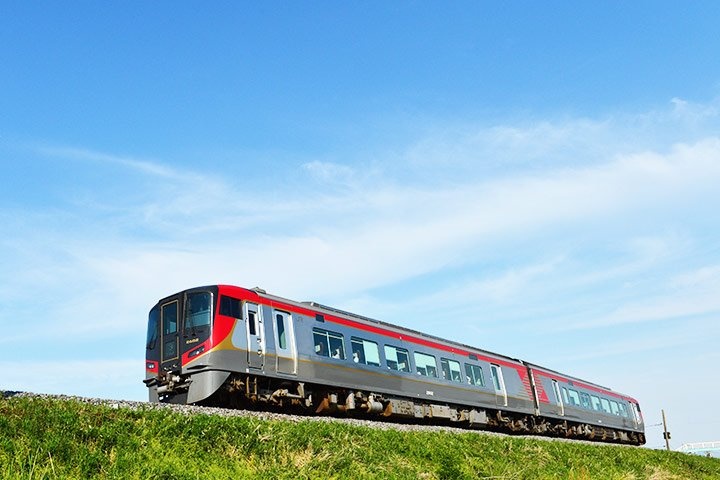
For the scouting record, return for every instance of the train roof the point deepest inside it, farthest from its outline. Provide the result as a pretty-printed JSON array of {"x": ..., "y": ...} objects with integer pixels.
[{"x": 354, "y": 316}]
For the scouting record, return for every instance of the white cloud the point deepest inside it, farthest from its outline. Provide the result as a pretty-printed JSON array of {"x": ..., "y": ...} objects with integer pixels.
[
  {"x": 694, "y": 113},
  {"x": 330, "y": 172},
  {"x": 379, "y": 237},
  {"x": 147, "y": 167},
  {"x": 688, "y": 294}
]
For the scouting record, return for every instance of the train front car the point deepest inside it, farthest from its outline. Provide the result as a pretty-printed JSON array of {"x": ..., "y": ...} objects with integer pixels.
[{"x": 182, "y": 332}]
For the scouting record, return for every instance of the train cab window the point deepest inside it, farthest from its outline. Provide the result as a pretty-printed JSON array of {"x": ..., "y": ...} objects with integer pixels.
[
  {"x": 365, "y": 352},
  {"x": 614, "y": 407},
  {"x": 574, "y": 397},
  {"x": 169, "y": 316},
  {"x": 451, "y": 370},
  {"x": 328, "y": 344},
  {"x": 585, "y": 400},
  {"x": 425, "y": 364},
  {"x": 230, "y": 307},
  {"x": 170, "y": 329},
  {"x": 623, "y": 410},
  {"x": 474, "y": 375},
  {"x": 397, "y": 358},
  {"x": 153, "y": 328},
  {"x": 605, "y": 405},
  {"x": 596, "y": 403},
  {"x": 198, "y": 310}
]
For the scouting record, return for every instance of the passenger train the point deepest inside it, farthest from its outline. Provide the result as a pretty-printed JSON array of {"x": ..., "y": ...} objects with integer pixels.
[{"x": 236, "y": 347}]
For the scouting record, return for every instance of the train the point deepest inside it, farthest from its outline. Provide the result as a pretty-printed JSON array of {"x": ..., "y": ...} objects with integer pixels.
[{"x": 236, "y": 347}]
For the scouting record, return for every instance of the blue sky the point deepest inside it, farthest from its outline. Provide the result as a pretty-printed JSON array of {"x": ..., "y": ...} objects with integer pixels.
[{"x": 537, "y": 180}]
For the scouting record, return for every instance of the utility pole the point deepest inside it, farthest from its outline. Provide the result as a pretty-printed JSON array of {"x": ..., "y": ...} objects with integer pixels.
[{"x": 666, "y": 434}]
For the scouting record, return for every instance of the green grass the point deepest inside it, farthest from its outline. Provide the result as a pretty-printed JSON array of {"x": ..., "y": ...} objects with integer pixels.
[{"x": 50, "y": 438}]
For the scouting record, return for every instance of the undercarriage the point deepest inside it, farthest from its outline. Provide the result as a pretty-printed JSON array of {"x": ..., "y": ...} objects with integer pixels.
[{"x": 264, "y": 393}]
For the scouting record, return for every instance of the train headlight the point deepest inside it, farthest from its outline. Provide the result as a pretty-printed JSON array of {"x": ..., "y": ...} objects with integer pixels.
[{"x": 196, "y": 352}]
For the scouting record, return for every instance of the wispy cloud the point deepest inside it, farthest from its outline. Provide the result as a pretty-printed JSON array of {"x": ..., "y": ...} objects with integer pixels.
[
  {"x": 143, "y": 166},
  {"x": 192, "y": 227},
  {"x": 688, "y": 294}
]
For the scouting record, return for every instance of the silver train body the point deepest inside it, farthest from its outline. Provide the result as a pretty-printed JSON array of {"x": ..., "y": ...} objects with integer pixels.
[{"x": 230, "y": 346}]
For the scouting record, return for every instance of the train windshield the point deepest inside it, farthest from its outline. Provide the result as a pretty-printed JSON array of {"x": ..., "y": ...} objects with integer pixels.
[
  {"x": 198, "y": 310},
  {"x": 152, "y": 332}
]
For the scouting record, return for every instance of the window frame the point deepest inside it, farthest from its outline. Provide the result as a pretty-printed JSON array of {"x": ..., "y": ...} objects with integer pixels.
[
  {"x": 230, "y": 307},
  {"x": 472, "y": 378},
  {"x": 421, "y": 367},
  {"x": 175, "y": 304},
  {"x": 566, "y": 397},
  {"x": 190, "y": 318},
  {"x": 394, "y": 351},
  {"x": 363, "y": 343},
  {"x": 446, "y": 362},
  {"x": 585, "y": 400},
  {"x": 574, "y": 397},
  {"x": 281, "y": 330},
  {"x": 328, "y": 335},
  {"x": 153, "y": 330}
]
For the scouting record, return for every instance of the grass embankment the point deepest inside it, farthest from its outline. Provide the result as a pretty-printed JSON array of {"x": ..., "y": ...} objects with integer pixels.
[{"x": 47, "y": 438}]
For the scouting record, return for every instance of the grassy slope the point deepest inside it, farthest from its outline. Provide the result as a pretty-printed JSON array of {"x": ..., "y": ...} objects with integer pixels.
[{"x": 42, "y": 438}]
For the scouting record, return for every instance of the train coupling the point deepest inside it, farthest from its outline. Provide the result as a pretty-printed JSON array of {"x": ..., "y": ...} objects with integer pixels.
[{"x": 167, "y": 383}]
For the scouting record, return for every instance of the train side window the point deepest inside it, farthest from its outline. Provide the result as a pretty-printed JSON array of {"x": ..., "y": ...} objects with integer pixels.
[
  {"x": 623, "y": 410},
  {"x": 605, "y": 405},
  {"x": 252, "y": 322},
  {"x": 614, "y": 407},
  {"x": 328, "y": 344},
  {"x": 574, "y": 398},
  {"x": 425, "y": 364},
  {"x": 585, "y": 400},
  {"x": 499, "y": 382},
  {"x": 474, "y": 375},
  {"x": 230, "y": 307},
  {"x": 365, "y": 352},
  {"x": 596, "y": 403},
  {"x": 451, "y": 370},
  {"x": 495, "y": 372},
  {"x": 280, "y": 326},
  {"x": 565, "y": 396},
  {"x": 397, "y": 358}
]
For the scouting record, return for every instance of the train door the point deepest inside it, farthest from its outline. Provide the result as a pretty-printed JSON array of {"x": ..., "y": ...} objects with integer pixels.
[
  {"x": 255, "y": 334},
  {"x": 169, "y": 355},
  {"x": 558, "y": 399},
  {"x": 286, "y": 352},
  {"x": 499, "y": 384}
]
